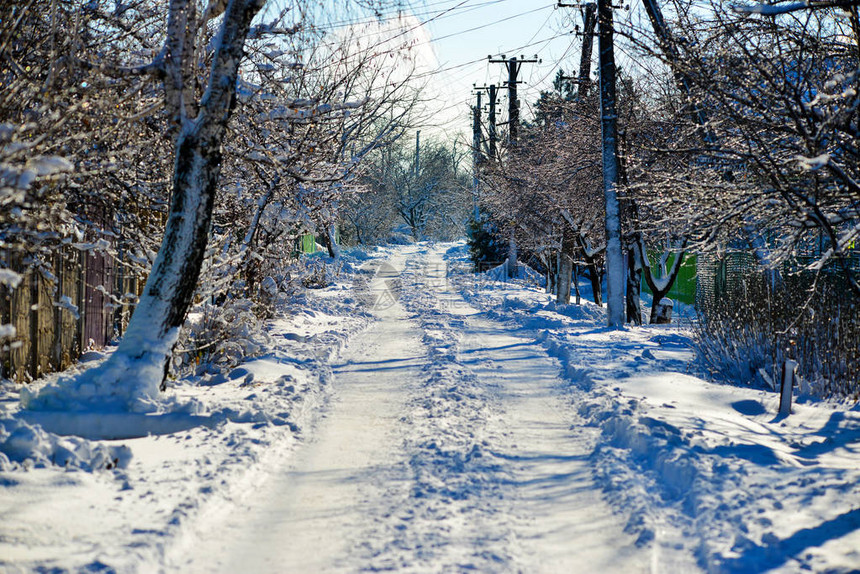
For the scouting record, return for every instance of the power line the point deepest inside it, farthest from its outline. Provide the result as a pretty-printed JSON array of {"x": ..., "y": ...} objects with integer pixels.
[
  {"x": 517, "y": 49},
  {"x": 553, "y": 67},
  {"x": 396, "y": 15},
  {"x": 482, "y": 26},
  {"x": 441, "y": 15}
]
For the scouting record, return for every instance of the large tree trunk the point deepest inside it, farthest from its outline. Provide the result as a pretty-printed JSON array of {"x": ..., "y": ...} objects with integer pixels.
[
  {"x": 154, "y": 327},
  {"x": 565, "y": 270},
  {"x": 134, "y": 373}
]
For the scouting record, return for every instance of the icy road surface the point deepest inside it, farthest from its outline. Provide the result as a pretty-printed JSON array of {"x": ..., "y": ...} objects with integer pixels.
[{"x": 447, "y": 447}]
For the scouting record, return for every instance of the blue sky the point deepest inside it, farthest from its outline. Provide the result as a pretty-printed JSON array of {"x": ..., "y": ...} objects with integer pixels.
[
  {"x": 463, "y": 34},
  {"x": 455, "y": 37}
]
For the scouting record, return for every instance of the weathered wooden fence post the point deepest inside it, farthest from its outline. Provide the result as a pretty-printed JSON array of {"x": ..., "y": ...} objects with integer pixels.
[{"x": 788, "y": 369}]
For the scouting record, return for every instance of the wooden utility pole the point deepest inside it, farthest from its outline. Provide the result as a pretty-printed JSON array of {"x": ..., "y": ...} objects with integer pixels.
[
  {"x": 566, "y": 265},
  {"x": 584, "y": 80},
  {"x": 609, "y": 129},
  {"x": 490, "y": 144},
  {"x": 492, "y": 122},
  {"x": 513, "y": 65},
  {"x": 477, "y": 157}
]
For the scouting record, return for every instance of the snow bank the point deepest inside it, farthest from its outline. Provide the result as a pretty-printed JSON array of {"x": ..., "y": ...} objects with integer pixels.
[
  {"x": 95, "y": 389},
  {"x": 217, "y": 435},
  {"x": 23, "y": 445},
  {"x": 704, "y": 472}
]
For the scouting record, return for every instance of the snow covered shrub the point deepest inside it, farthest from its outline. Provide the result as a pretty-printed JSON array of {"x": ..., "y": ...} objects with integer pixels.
[
  {"x": 315, "y": 276},
  {"x": 746, "y": 333},
  {"x": 221, "y": 337},
  {"x": 400, "y": 235}
]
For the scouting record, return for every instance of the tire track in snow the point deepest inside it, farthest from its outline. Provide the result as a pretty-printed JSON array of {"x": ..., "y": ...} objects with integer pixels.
[
  {"x": 443, "y": 507},
  {"x": 310, "y": 516}
]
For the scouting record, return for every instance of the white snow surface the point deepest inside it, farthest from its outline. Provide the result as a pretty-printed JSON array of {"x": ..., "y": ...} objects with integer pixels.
[{"x": 417, "y": 417}]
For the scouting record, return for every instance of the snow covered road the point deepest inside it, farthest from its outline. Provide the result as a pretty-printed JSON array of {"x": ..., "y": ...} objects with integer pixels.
[
  {"x": 447, "y": 448},
  {"x": 467, "y": 423}
]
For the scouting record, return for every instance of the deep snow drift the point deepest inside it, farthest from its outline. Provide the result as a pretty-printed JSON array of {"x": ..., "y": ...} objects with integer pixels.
[{"x": 415, "y": 416}]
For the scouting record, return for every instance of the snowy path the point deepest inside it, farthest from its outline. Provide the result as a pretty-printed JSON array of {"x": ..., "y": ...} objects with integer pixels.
[
  {"x": 303, "y": 519},
  {"x": 482, "y": 427},
  {"x": 447, "y": 447},
  {"x": 564, "y": 524}
]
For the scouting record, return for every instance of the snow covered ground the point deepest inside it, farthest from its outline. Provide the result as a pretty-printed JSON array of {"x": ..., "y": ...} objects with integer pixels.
[{"x": 417, "y": 417}]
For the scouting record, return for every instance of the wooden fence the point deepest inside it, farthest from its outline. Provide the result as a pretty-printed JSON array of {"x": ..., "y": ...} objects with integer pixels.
[{"x": 79, "y": 304}]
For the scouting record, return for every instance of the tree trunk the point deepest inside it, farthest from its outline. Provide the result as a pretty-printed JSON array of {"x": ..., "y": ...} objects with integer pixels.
[
  {"x": 659, "y": 287},
  {"x": 154, "y": 327},
  {"x": 596, "y": 288},
  {"x": 565, "y": 272},
  {"x": 634, "y": 284},
  {"x": 136, "y": 371},
  {"x": 565, "y": 269},
  {"x": 331, "y": 241},
  {"x": 551, "y": 272},
  {"x": 557, "y": 272}
]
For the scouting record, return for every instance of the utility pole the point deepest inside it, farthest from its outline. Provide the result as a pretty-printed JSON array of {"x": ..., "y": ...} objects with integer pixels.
[
  {"x": 492, "y": 90},
  {"x": 609, "y": 129},
  {"x": 584, "y": 81},
  {"x": 492, "y": 123},
  {"x": 567, "y": 271},
  {"x": 417, "y": 152},
  {"x": 513, "y": 65},
  {"x": 476, "y": 152}
]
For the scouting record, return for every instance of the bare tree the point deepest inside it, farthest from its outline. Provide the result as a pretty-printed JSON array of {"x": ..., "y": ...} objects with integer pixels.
[
  {"x": 198, "y": 109},
  {"x": 779, "y": 174}
]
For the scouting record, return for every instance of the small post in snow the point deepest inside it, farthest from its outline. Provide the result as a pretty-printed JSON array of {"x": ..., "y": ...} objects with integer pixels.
[{"x": 788, "y": 369}]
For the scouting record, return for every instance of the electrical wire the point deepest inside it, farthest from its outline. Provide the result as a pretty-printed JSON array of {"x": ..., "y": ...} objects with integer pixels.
[
  {"x": 441, "y": 15},
  {"x": 457, "y": 66},
  {"x": 482, "y": 26},
  {"x": 457, "y": 9},
  {"x": 402, "y": 33},
  {"x": 399, "y": 13}
]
